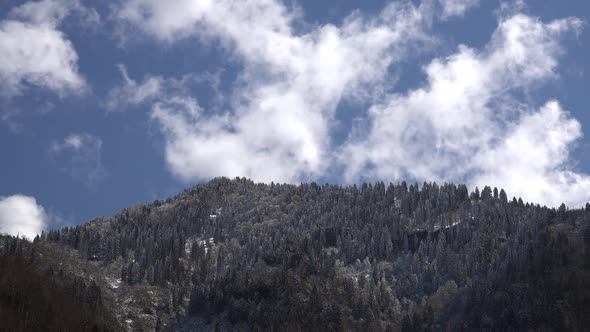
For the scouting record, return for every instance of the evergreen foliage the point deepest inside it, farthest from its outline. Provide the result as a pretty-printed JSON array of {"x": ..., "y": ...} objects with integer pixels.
[{"x": 331, "y": 258}]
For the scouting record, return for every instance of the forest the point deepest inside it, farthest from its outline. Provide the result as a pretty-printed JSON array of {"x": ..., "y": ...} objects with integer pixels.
[{"x": 235, "y": 255}]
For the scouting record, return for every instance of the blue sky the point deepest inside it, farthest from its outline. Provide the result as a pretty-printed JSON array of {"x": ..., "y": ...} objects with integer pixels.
[{"x": 104, "y": 106}]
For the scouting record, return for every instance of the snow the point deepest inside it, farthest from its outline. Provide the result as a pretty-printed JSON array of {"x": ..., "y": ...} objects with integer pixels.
[
  {"x": 438, "y": 227},
  {"x": 214, "y": 215},
  {"x": 113, "y": 282},
  {"x": 204, "y": 242},
  {"x": 453, "y": 224}
]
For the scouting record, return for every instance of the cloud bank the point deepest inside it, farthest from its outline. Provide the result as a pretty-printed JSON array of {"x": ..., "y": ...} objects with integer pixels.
[
  {"x": 465, "y": 123},
  {"x": 286, "y": 96},
  {"x": 21, "y": 215}
]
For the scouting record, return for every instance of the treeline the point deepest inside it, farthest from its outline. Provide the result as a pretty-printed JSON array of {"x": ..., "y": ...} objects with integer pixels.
[
  {"x": 372, "y": 257},
  {"x": 35, "y": 299}
]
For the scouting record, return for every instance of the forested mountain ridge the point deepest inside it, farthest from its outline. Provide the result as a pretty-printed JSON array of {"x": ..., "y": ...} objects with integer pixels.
[{"x": 236, "y": 255}]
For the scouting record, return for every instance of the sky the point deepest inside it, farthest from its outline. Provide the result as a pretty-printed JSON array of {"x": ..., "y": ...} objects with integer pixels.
[{"x": 108, "y": 104}]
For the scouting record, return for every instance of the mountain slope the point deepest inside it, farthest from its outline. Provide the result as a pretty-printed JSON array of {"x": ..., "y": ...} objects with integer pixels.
[
  {"x": 38, "y": 294},
  {"x": 240, "y": 255}
]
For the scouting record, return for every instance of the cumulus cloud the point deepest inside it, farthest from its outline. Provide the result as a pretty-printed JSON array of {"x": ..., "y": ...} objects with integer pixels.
[
  {"x": 452, "y": 8},
  {"x": 80, "y": 155},
  {"x": 21, "y": 215},
  {"x": 286, "y": 97},
  {"x": 464, "y": 124},
  {"x": 532, "y": 159},
  {"x": 47, "y": 59}
]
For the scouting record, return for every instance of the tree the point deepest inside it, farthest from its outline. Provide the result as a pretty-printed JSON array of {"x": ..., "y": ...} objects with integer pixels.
[
  {"x": 503, "y": 197},
  {"x": 475, "y": 194},
  {"x": 486, "y": 194},
  {"x": 283, "y": 257}
]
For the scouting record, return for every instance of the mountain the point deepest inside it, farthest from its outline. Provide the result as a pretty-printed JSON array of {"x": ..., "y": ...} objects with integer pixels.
[{"x": 238, "y": 255}]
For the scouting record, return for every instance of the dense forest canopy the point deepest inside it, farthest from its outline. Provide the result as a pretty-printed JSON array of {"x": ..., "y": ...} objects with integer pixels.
[{"x": 239, "y": 255}]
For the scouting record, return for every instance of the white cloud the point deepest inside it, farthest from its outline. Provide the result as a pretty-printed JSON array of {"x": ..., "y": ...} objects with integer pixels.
[
  {"x": 456, "y": 7},
  {"x": 80, "y": 155},
  {"x": 465, "y": 126},
  {"x": 43, "y": 13},
  {"x": 21, "y": 215},
  {"x": 286, "y": 96},
  {"x": 132, "y": 93},
  {"x": 47, "y": 59},
  {"x": 51, "y": 13},
  {"x": 152, "y": 88},
  {"x": 532, "y": 159}
]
